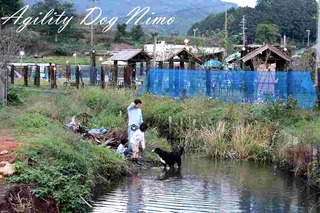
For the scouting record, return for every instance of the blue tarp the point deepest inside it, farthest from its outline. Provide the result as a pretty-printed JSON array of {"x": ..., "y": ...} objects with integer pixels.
[
  {"x": 212, "y": 63},
  {"x": 234, "y": 86}
]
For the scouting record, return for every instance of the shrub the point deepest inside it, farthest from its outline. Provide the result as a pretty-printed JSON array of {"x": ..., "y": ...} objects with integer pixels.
[{"x": 32, "y": 121}]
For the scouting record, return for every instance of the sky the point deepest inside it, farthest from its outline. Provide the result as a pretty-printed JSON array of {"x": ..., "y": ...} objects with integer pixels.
[{"x": 243, "y": 3}]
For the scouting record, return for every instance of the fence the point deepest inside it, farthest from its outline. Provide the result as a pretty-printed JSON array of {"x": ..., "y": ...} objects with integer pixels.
[
  {"x": 89, "y": 75},
  {"x": 234, "y": 86}
]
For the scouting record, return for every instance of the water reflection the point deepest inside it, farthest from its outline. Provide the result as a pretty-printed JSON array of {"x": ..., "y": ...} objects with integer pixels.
[
  {"x": 171, "y": 173},
  {"x": 210, "y": 186}
]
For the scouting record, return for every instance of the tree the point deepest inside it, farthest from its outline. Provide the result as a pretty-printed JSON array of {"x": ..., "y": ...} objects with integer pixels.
[
  {"x": 293, "y": 18},
  {"x": 266, "y": 33},
  {"x": 12, "y": 42},
  {"x": 121, "y": 33},
  {"x": 44, "y": 7},
  {"x": 136, "y": 33},
  {"x": 9, "y": 7}
]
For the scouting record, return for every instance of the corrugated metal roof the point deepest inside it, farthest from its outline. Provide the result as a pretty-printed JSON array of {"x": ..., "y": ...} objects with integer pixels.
[
  {"x": 171, "y": 53},
  {"x": 264, "y": 48},
  {"x": 125, "y": 55}
]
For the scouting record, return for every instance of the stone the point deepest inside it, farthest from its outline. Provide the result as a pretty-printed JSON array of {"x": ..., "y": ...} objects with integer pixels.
[
  {"x": 7, "y": 169},
  {"x": 4, "y": 152}
]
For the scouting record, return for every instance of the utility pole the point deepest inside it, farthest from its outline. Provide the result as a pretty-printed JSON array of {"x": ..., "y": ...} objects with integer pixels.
[
  {"x": 243, "y": 22},
  {"x": 92, "y": 5},
  {"x": 154, "y": 49},
  {"x": 226, "y": 23},
  {"x": 308, "y": 44},
  {"x": 194, "y": 32},
  {"x": 318, "y": 59}
]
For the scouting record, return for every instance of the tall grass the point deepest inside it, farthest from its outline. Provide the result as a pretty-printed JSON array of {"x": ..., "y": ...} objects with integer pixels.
[{"x": 218, "y": 130}]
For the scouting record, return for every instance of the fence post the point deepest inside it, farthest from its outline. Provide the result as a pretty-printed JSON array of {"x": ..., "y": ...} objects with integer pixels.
[
  {"x": 12, "y": 74},
  {"x": 37, "y": 76},
  {"x": 120, "y": 113},
  {"x": 68, "y": 73},
  {"x": 5, "y": 92},
  {"x": 25, "y": 77},
  {"x": 51, "y": 76},
  {"x": 77, "y": 76},
  {"x": 318, "y": 89},
  {"x": 102, "y": 77}
]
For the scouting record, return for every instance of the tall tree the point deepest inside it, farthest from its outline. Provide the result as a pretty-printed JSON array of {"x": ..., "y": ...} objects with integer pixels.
[
  {"x": 9, "y": 7},
  {"x": 266, "y": 33},
  {"x": 44, "y": 7},
  {"x": 121, "y": 33},
  {"x": 136, "y": 33},
  {"x": 293, "y": 17}
]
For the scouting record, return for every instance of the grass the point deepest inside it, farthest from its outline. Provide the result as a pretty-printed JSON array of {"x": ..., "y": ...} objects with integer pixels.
[
  {"x": 60, "y": 60},
  {"x": 275, "y": 132},
  {"x": 58, "y": 162}
]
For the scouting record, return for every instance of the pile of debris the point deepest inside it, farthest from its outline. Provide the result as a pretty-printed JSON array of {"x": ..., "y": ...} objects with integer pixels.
[{"x": 102, "y": 137}]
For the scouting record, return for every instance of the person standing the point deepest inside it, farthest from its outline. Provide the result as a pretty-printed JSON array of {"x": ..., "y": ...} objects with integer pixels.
[
  {"x": 134, "y": 120},
  {"x": 138, "y": 140}
]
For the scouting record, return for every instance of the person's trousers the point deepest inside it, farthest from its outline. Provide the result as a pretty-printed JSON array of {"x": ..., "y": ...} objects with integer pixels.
[{"x": 130, "y": 133}]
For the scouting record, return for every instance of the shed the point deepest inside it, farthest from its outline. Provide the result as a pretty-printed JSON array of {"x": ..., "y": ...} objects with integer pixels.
[
  {"x": 267, "y": 54},
  {"x": 181, "y": 55},
  {"x": 131, "y": 56}
]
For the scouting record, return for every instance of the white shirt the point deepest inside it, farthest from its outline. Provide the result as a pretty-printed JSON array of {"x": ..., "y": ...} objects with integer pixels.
[
  {"x": 138, "y": 138},
  {"x": 121, "y": 149},
  {"x": 134, "y": 115}
]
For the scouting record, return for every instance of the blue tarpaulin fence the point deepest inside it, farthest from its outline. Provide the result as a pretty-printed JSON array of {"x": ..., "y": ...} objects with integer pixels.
[{"x": 233, "y": 86}]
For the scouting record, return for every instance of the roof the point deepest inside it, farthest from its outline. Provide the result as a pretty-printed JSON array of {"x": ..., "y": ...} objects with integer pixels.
[
  {"x": 170, "y": 54},
  {"x": 233, "y": 57},
  {"x": 126, "y": 55},
  {"x": 264, "y": 48}
]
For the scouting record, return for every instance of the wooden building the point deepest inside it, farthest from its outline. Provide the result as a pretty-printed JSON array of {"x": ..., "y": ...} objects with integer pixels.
[
  {"x": 182, "y": 56},
  {"x": 267, "y": 55},
  {"x": 132, "y": 57}
]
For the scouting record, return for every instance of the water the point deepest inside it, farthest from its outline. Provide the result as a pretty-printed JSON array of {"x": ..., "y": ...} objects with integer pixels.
[{"x": 205, "y": 185}]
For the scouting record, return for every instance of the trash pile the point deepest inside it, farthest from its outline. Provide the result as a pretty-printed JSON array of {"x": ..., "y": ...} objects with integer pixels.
[{"x": 102, "y": 137}]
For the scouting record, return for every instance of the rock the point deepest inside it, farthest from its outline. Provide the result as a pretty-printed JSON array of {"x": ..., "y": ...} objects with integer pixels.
[
  {"x": 4, "y": 152},
  {"x": 7, "y": 169}
]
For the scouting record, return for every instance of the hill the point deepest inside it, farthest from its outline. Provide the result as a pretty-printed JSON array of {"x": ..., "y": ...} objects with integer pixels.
[
  {"x": 190, "y": 11},
  {"x": 292, "y": 17}
]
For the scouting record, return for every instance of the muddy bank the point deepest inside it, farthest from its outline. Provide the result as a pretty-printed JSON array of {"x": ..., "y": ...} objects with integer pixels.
[{"x": 18, "y": 198}]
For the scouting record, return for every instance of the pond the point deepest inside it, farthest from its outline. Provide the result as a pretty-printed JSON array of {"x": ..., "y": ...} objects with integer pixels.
[{"x": 204, "y": 185}]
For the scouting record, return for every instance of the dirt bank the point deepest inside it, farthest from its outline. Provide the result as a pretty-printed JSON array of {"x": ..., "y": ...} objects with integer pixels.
[{"x": 18, "y": 197}]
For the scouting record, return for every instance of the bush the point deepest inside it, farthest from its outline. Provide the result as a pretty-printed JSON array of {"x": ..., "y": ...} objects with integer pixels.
[
  {"x": 34, "y": 121},
  {"x": 14, "y": 96}
]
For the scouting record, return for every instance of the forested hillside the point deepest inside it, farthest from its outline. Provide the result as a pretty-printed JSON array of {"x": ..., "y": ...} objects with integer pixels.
[{"x": 291, "y": 17}]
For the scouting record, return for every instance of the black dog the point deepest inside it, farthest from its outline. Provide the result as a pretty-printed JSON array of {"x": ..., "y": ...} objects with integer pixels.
[{"x": 169, "y": 158}]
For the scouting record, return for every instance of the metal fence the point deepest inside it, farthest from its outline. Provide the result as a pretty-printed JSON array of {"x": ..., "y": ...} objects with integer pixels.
[{"x": 233, "y": 86}]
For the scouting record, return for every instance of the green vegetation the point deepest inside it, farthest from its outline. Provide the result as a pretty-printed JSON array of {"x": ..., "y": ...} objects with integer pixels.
[
  {"x": 61, "y": 165},
  {"x": 65, "y": 167},
  {"x": 291, "y": 17},
  {"x": 266, "y": 33}
]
